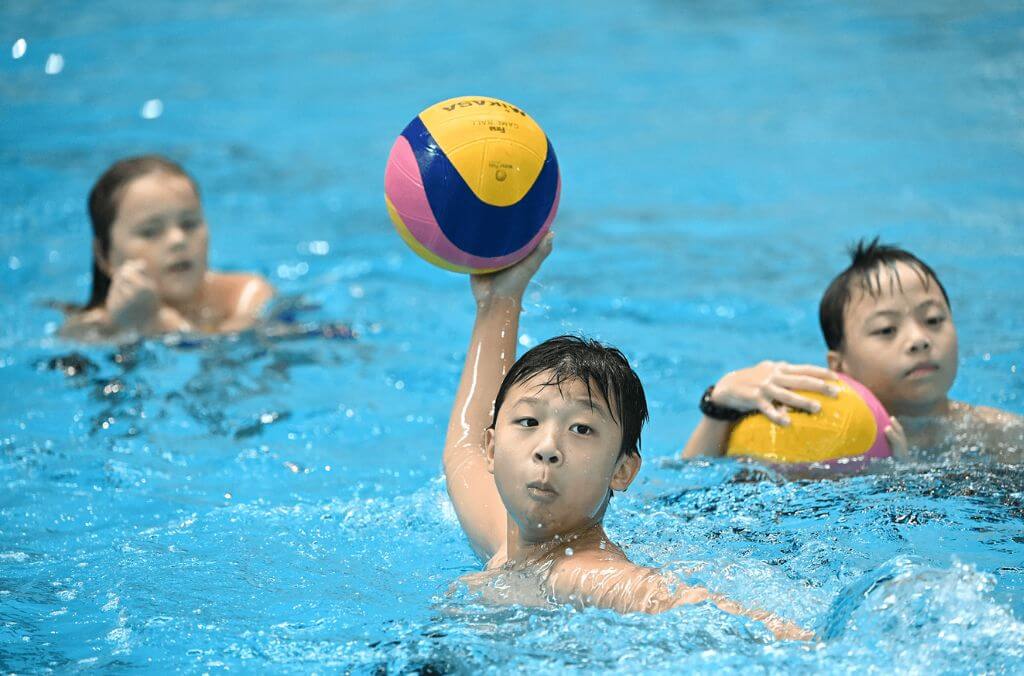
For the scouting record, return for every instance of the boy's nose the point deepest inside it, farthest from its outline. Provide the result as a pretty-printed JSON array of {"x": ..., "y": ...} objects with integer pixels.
[
  {"x": 548, "y": 456},
  {"x": 919, "y": 342}
]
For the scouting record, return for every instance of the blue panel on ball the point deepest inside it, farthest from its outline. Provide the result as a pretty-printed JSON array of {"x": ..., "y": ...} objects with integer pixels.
[{"x": 475, "y": 227}]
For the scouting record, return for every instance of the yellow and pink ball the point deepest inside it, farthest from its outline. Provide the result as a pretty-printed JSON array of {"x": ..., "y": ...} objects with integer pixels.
[
  {"x": 848, "y": 430},
  {"x": 472, "y": 184}
]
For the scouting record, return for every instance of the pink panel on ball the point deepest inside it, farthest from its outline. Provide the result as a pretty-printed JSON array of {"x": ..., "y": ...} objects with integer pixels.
[
  {"x": 880, "y": 449},
  {"x": 404, "y": 187}
]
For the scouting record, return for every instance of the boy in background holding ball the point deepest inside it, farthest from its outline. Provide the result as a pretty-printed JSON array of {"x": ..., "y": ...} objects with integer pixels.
[{"x": 887, "y": 323}]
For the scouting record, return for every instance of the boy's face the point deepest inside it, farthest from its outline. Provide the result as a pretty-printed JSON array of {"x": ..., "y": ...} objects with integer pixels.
[
  {"x": 901, "y": 344},
  {"x": 554, "y": 454}
]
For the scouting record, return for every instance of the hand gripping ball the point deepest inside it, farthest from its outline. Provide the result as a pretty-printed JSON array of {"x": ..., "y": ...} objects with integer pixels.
[
  {"x": 472, "y": 184},
  {"x": 849, "y": 428}
]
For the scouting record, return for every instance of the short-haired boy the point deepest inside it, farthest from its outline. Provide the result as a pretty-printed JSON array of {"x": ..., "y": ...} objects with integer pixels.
[
  {"x": 534, "y": 452},
  {"x": 887, "y": 323}
]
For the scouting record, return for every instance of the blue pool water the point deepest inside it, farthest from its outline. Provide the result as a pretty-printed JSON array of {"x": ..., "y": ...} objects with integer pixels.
[{"x": 246, "y": 504}]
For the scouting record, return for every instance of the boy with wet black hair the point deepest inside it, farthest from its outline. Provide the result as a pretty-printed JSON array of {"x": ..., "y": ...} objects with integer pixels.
[
  {"x": 887, "y": 323},
  {"x": 534, "y": 452}
]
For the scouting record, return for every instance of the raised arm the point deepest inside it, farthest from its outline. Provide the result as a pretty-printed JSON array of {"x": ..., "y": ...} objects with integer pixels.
[
  {"x": 767, "y": 388},
  {"x": 491, "y": 353}
]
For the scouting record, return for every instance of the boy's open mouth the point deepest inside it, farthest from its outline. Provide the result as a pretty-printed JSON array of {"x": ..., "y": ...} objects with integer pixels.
[
  {"x": 180, "y": 266},
  {"x": 922, "y": 369},
  {"x": 541, "y": 490}
]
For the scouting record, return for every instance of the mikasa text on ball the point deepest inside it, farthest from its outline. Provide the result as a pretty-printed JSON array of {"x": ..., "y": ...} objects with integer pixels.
[{"x": 472, "y": 184}]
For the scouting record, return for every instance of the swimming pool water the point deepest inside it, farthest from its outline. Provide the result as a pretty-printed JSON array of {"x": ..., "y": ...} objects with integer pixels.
[{"x": 249, "y": 504}]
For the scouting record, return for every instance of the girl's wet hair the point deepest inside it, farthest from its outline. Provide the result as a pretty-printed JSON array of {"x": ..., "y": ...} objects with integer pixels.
[
  {"x": 570, "y": 358},
  {"x": 104, "y": 201},
  {"x": 867, "y": 261}
]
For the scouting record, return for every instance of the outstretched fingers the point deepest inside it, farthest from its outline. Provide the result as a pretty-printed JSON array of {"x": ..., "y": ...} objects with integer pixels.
[
  {"x": 807, "y": 383},
  {"x": 774, "y": 413},
  {"x": 512, "y": 281},
  {"x": 819, "y": 372}
]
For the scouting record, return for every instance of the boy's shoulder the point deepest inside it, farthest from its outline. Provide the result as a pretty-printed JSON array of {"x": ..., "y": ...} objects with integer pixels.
[
  {"x": 1000, "y": 432},
  {"x": 606, "y": 578},
  {"x": 995, "y": 416}
]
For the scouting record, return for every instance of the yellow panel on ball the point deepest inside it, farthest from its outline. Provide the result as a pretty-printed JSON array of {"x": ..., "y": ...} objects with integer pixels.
[
  {"x": 845, "y": 427},
  {"x": 497, "y": 149}
]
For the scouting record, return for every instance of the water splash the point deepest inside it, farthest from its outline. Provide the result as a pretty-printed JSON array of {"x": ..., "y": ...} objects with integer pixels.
[
  {"x": 151, "y": 109},
  {"x": 54, "y": 64}
]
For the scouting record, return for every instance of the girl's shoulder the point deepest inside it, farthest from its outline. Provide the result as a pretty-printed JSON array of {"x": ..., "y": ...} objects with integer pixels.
[
  {"x": 239, "y": 291},
  {"x": 238, "y": 297}
]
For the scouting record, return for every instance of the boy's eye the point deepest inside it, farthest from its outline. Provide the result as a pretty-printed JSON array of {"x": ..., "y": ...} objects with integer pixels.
[
  {"x": 936, "y": 320},
  {"x": 149, "y": 233},
  {"x": 580, "y": 428},
  {"x": 525, "y": 422},
  {"x": 884, "y": 331},
  {"x": 191, "y": 223}
]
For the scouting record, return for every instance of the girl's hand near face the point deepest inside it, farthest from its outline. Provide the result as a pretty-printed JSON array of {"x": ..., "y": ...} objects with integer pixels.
[
  {"x": 769, "y": 388},
  {"x": 132, "y": 302}
]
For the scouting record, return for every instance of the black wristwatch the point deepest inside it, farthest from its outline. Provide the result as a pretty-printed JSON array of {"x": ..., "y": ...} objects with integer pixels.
[{"x": 716, "y": 412}]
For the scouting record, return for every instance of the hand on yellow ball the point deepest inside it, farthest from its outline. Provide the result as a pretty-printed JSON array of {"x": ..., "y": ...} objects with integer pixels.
[{"x": 770, "y": 387}]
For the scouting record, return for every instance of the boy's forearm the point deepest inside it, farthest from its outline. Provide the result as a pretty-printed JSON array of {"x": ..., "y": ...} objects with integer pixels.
[
  {"x": 782, "y": 628},
  {"x": 491, "y": 353},
  {"x": 474, "y": 495}
]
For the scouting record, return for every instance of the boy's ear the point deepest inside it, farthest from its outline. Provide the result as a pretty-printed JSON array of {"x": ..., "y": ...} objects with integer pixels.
[
  {"x": 625, "y": 471},
  {"x": 835, "y": 361},
  {"x": 489, "y": 448},
  {"x": 101, "y": 260}
]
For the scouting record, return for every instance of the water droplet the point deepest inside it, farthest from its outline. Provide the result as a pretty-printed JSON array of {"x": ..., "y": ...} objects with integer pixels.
[
  {"x": 19, "y": 48},
  {"x": 399, "y": 385},
  {"x": 568, "y": 551},
  {"x": 152, "y": 109},
  {"x": 525, "y": 340},
  {"x": 54, "y": 64}
]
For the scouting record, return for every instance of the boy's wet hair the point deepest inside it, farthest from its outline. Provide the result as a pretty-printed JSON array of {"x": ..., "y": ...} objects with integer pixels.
[
  {"x": 105, "y": 200},
  {"x": 865, "y": 273},
  {"x": 570, "y": 358}
]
